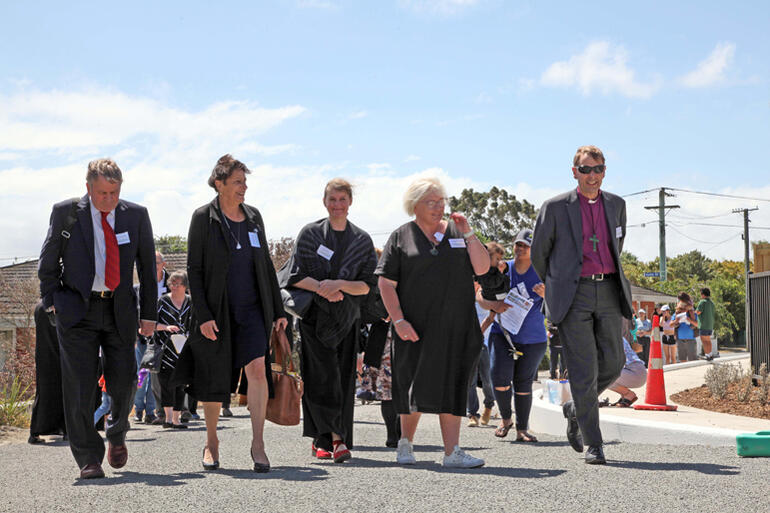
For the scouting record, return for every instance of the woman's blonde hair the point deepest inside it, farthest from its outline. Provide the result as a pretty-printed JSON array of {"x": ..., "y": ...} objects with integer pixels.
[{"x": 418, "y": 189}]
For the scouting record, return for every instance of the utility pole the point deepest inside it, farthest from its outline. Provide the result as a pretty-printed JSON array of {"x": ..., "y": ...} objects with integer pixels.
[
  {"x": 745, "y": 212},
  {"x": 661, "y": 208},
  {"x": 747, "y": 264}
]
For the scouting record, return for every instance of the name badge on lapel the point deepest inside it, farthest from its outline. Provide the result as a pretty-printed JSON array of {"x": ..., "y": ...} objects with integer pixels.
[
  {"x": 618, "y": 232},
  {"x": 122, "y": 238},
  {"x": 457, "y": 243},
  {"x": 254, "y": 239},
  {"x": 325, "y": 252}
]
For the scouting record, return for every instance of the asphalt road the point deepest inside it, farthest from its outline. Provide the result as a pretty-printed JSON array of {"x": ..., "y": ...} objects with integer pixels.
[{"x": 164, "y": 474}]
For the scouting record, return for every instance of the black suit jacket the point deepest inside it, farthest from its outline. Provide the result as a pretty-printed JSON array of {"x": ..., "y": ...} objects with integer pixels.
[
  {"x": 557, "y": 250},
  {"x": 66, "y": 279}
]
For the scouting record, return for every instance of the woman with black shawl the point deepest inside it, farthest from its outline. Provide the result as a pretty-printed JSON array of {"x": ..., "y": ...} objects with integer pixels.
[{"x": 335, "y": 260}]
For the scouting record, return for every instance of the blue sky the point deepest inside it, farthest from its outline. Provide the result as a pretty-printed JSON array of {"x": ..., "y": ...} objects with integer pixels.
[{"x": 479, "y": 92}]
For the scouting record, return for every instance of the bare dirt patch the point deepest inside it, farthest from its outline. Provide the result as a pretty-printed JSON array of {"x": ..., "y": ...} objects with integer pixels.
[
  {"x": 701, "y": 398},
  {"x": 13, "y": 435}
]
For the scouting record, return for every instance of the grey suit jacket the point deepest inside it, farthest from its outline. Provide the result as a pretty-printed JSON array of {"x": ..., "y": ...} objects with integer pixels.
[{"x": 557, "y": 250}]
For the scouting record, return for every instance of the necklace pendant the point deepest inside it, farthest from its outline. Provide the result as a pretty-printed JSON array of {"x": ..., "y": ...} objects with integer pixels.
[{"x": 434, "y": 251}]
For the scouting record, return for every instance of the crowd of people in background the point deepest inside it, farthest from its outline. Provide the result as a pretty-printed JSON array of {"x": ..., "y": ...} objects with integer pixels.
[{"x": 432, "y": 308}]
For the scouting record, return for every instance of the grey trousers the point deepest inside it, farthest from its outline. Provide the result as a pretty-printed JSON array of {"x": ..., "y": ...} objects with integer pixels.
[{"x": 593, "y": 350}]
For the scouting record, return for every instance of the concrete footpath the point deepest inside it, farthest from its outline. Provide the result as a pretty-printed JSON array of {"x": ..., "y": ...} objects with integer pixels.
[{"x": 685, "y": 426}]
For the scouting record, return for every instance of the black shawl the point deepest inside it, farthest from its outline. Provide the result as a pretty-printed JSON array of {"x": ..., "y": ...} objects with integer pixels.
[{"x": 354, "y": 259}]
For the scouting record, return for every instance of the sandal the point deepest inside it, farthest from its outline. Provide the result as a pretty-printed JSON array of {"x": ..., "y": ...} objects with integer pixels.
[
  {"x": 625, "y": 403},
  {"x": 605, "y": 401},
  {"x": 526, "y": 437},
  {"x": 502, "y": 431}
]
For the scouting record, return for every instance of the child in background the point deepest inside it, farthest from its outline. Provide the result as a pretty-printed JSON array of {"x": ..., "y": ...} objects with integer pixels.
[{"x": 106, "y": 405}]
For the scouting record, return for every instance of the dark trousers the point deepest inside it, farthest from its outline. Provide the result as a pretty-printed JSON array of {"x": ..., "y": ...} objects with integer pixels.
[
  {"x": 482, "y": 373},
  {"x": 79, "y": 350},
  {"x": 520, "y": 372},
  {"x": 329, "y": 376},
  {"x": 170, "y": 396},
  {"x": 645, "y": 354},
  {"x": 592, "y": 347},
  {"x": 557, "y": 362}
]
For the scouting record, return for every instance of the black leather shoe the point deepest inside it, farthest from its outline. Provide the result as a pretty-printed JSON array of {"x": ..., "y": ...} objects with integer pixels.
[
  {"x": 209, "y": 466},
  {"x": 573, "y": 429},
  {"x": 595, "y": 455},
  {"x": 34, "y": 439},
  {"x": 226, "y": 412},
  {"x": 259, "y": 468}
]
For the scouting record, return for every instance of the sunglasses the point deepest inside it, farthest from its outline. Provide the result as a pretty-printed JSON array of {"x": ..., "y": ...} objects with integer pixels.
[{"x": 584, "y": 170}]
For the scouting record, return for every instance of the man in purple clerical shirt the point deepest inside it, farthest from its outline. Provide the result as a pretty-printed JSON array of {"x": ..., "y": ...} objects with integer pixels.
[{"x": 576, "y": 252}]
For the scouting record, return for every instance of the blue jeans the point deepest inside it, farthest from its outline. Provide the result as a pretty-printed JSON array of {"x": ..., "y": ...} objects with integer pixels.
[
  {"x": 520, "y": 372},
  {"x": 486, "y": 385},
  {"x": 143, "y": 400},
  {"x": 104, "y": 408}
]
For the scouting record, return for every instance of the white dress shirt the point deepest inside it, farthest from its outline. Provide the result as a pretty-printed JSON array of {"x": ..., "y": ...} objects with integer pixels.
[{"x": 100, "y": 249}]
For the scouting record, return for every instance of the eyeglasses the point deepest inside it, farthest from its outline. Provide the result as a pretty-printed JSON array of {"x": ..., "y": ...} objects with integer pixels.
[
  {"x": 431, "y": 204},
  {"x": 584, "y": 170}
]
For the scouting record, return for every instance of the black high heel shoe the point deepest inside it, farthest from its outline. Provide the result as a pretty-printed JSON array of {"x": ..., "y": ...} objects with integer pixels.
[
  {"x": 209, "y": 466},
  {"x": 259, "y": 468}
]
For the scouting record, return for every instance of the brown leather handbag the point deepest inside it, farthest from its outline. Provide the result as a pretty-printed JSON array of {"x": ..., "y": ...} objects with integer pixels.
[{"x": 284, "y": 407}]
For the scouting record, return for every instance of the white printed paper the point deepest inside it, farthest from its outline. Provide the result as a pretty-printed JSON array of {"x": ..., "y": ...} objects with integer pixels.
[
  {"x": 457, "y": 243},
  {"x": 178, "y": 340},
  {"x": 513, "y": 318},
  {"x": 325, "y": 252},
  {"x": 254, "y": 239},
  {"x": 122, "y": 238}
]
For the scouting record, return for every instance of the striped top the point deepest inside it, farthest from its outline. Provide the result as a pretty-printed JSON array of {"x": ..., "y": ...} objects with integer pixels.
[{"x": 169, "y": 315}]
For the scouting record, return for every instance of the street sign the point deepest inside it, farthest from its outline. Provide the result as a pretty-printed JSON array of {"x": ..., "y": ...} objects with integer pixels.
[{"x": 656, "y": 274}]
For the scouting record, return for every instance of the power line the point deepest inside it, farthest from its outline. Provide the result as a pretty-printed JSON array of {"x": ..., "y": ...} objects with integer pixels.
[
  {"x": 718, "y": 194},
  {"x": 704, "y": 241},
  {"x": 637, "y": 193},
  {"x": 722, "y": 225}
]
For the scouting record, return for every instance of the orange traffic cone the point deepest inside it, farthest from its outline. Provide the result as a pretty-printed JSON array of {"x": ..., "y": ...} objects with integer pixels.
[{"x": 655, "y": 393}]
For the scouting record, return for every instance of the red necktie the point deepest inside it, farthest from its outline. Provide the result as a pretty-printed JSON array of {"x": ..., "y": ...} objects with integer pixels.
[{"x": 112, "y": 260}]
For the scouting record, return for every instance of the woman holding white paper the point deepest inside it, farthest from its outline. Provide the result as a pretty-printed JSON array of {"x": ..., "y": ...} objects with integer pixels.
[
  {"x": 516, "y": 349},
  {"x": 174, "y": 321}
]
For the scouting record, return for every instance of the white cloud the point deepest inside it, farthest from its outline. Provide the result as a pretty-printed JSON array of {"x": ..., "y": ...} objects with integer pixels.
[
  {"x": 711, "y": 70},
  {"x": 483, "y": 97},
  {"x": 358, "y": 114},
  {"x": 39, "y": 120},
  {"x": 602, "y": 68},
  {"x": 440, "y": 7}
]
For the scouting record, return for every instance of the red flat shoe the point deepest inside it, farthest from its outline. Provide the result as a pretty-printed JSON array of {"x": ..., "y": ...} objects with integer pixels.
[
  {"x": 341, "y": 452},
  {"x": 321, "y": 454}
]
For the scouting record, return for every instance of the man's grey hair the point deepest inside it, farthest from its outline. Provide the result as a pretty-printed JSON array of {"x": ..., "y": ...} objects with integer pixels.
[{"x": 106, "y": 168}]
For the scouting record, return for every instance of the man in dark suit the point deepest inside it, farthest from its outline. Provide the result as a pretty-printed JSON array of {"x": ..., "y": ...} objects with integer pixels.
[
  {"x": 576, "y": 251},
  {"x": 87, "y": 282}
]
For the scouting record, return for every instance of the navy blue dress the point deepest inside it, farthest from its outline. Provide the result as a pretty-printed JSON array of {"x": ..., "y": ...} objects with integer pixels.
[{"x": 246, "y": 319}]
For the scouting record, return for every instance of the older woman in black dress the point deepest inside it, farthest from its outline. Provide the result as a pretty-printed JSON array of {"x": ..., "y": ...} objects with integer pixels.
[
  {"x": 335, "y": 260},
  {"x": 236, "y": 301},
  {"x": 426, "y": 281}
]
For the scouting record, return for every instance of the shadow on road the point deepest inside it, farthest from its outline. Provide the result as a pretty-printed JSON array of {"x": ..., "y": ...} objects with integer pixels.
[
  {"x": 526, "y": 473},
  {"x": 417, "y": 448},
  {"x": 704, "y": 468},
  {"x": 282, "y": 473},
  {"x": 118, "y": 478}
]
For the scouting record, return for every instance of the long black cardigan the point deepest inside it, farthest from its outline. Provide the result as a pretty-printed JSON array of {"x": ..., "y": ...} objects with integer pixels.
[{"x": 206, "y": 366}]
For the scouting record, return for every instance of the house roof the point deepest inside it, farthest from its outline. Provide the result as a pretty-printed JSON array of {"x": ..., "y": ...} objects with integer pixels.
[{"x": 644, "y": 294}]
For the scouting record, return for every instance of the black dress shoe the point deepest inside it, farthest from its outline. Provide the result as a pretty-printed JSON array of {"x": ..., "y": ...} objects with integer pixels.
[
  {"x": 573, "y": 429},
  {"x": 595, "y": 455},
  {"x": 259, "y": 468},
  {"x": 209, "y": 466},
  {"x": 91, "y": 471},
  {"x": 34, "y": 439},
  {"x": 117, "y": 455},
  {"x": 226, "y": 412}
]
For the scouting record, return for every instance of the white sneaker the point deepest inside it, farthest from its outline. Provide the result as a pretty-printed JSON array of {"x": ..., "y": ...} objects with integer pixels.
[
  {"x": 405, "y": 452},
  {"x": 460, "y": 459}
]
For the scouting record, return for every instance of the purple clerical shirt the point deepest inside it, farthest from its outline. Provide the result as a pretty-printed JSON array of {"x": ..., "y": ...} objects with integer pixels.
[{"x": 597, "y": 257}]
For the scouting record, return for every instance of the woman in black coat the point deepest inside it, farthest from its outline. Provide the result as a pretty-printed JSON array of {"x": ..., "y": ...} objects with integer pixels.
[{"x": 236, "y": 303}]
